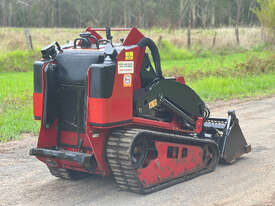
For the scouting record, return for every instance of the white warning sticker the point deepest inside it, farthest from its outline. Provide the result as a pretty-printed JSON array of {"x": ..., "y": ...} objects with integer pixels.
[{"x": 125, "y": 67}]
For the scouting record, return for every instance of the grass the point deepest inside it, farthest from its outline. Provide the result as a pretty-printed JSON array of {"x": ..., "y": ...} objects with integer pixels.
[
  {"x": 200, "y": 38},
  {"x": 212, "y": 62},
  {"x": 18, "y": 60},
  {"x": 214, "y": 88},
  {"x": 225, "y": 72},
  {"x": 16, "y": 105}
]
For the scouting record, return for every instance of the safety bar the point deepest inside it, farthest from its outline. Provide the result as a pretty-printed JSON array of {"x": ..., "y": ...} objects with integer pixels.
[{"x": 87, "y": 161}]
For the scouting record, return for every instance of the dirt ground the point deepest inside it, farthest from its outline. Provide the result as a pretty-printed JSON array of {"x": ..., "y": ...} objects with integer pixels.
[{"x": 249, "y": 182}]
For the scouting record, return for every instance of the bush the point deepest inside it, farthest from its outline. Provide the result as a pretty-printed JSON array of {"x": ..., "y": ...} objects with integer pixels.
[
  {"x": 169, "y": 52},
  {"x": 266, "y": 15}
]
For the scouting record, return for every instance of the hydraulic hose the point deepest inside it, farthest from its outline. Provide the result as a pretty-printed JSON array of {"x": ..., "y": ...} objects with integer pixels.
[{"x": 147, "y": 42}]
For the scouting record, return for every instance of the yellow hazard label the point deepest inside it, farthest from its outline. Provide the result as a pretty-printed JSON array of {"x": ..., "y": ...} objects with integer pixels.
[
  {"x": 153, "y": 103},
  {"x": 129, "y": 55}
]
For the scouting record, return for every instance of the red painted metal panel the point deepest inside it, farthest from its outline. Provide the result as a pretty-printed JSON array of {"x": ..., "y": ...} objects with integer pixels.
[
  {"x": 180, "y": 80},
  {"x": 163, "y": 168},
  {"x": 133, "y": 37},
  {"x": 199, "y": 125},
  {"x": 97, "y": 141},
  {"x": 38, "y": 98},
  {"x": 37, "y": 104},
  {"x": 94, "y": 33},
  {"x": 47, "y": 137},
  {"x": 158, "y": 124},
  {"x": 116, "y": 108},
  {"x": 70, "y": 138}
]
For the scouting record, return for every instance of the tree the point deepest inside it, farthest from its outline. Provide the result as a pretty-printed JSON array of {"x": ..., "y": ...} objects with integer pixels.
[
  {"x": 266, "y": 15},
  {"x": 238, "y": 21},
  {"x": 141, "y": 13}
]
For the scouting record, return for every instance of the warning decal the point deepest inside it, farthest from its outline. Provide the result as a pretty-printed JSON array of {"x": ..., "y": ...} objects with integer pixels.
[
  {"x": 129, "y": 55},
  {"x": 127, "y": 80},
  {"x": 153, "y": 104},
  {"x": 125, "y": 67}
]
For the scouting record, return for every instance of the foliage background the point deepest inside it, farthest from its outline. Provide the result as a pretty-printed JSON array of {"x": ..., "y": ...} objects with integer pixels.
[{"x": 141, "y": 13}]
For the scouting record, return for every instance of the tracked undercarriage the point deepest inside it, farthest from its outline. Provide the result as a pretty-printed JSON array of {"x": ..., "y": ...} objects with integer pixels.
[{"x": 145, "y": 161}]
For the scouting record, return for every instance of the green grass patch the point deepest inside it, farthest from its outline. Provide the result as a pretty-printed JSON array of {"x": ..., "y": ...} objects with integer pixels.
[
  {"x": 169, "y": 52},
  {"x": 18, "y": 60},
  {"x": 254, "y": 66},
  {"x": 182, "y": 62},
  {"x": 211, "y": 63},
  {"x": 215, "y": 88},
  {"x": 16, "y": 113}
]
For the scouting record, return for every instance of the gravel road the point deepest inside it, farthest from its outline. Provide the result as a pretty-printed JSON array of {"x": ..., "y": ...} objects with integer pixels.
[{"x": 249, "y": 182}]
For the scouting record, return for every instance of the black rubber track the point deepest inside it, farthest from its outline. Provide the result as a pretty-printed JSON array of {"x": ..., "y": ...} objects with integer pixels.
[
  {"x": 118, "y": 150},
  {"x": 67, "y": 174}
]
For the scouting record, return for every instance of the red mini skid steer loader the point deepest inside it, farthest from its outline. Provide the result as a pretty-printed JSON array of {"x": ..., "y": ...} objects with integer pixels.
[{"x": 104, "y": 109}]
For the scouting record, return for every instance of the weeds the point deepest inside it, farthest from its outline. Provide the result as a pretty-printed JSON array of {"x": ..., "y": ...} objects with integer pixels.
[
  {"x": 18, "y": 61},
  {"x": 16, "y": 105},
  {"x": 254, "y": 66},
  {"x": 199, "y": 67},
  {"x": 200, "y": 38},
  {"x": 169, "y": 52},
  {"x": 224, "y": 88}
]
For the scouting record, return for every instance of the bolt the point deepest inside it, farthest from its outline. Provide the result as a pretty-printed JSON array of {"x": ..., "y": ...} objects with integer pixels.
[{"x": 157, "y": 163}]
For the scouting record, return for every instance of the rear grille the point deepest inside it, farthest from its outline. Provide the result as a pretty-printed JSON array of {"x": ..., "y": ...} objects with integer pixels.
[{"x": 71, "y": 107}]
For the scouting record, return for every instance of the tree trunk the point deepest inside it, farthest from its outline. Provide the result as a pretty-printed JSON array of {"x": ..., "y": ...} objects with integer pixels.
[
  {"x": 189, "y": 29},
  {"x": 143, "y": 14},
  {"x": 129, "y": 18},
  {"x": 204, "y": 17},
  {"x": 52, "y": 16},
  {"x": 10, "y": 14},
  {"x": 140, "y": 19},
  {"x": 110, "y": 17},
  {"x": 30, "y": 20},
  {"x": 59, "y": 13},
  {"x": 262, "y": 34},
  {"x": 4, "y": 19},
  {"x": 213, "y": 19},
  {"x": 193, "y": 15},
  {"x": 79, "y": 20},
  {"x": 238, "y": 21},
  {"x": 125, "y": 14},
  {"x": 180, "y": 13}
]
